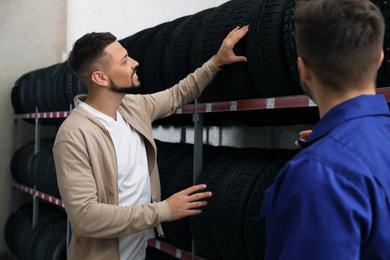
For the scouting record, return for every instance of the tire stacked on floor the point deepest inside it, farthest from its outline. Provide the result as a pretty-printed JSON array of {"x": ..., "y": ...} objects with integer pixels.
[
  {"x": 237, "y": 177},
  {"x": 46, "y": 241},
  {"x": 36, "y": 170}
]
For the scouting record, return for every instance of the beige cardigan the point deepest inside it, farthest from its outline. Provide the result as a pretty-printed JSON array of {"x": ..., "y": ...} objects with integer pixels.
[{"x": 87, "y": 170}]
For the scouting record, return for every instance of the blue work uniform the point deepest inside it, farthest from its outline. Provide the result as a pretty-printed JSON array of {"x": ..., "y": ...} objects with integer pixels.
[{"x": 332, "y": 200}]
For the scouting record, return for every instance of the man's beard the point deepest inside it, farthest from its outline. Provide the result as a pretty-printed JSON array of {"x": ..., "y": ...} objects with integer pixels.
[{"x": 132, "y": 89}]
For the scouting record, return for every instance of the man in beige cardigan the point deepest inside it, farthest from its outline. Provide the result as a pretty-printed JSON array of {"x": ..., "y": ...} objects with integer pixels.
[{"x": 105, "y": 154}]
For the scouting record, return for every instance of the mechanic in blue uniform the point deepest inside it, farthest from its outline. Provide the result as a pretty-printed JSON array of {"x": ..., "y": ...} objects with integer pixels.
[{"x": 332, "y": 201}]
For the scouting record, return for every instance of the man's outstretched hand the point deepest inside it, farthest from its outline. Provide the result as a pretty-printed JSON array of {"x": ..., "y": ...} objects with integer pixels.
[
  {"x": 226, "y": 55},
  {"x": 187, "y": 202}
]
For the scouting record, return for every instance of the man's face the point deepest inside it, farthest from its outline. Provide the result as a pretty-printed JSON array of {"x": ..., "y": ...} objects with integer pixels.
[{"x": 122, "y": 70}]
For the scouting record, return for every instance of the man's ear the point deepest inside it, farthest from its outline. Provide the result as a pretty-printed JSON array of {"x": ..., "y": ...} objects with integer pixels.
[
  {"x": 100, "y": 78},
  {"x": 381, "y": 59},
  {"x": 303, "y": 70}
]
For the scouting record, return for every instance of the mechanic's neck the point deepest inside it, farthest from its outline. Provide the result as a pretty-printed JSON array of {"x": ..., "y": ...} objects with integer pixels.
[
  {"x": 329, "y": 99},
  {"x": 106, "y": 102}
]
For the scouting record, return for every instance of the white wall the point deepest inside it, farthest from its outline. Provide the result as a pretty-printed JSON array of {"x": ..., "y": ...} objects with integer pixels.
[{"x": 124, "y": 18}]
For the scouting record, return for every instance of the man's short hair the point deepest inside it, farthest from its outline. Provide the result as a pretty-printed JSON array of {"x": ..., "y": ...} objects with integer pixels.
[
  {"x": 86, "y": 51},
  {"x": 340, "y": 40}
]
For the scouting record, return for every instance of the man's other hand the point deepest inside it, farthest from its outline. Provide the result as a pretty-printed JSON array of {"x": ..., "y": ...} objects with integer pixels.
[{"x": 187, "y": 202}]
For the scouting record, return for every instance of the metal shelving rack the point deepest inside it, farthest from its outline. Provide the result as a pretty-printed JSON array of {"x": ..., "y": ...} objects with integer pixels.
[{"x": 198, "y": 110}]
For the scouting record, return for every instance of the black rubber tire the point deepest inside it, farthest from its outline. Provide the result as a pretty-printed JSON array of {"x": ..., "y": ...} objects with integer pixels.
[
  {"x": 178, "y": 232},
  {"x": 383, "y": 78},
  {"x": 290, "y": 47},
  {"x": 197, "y": 41},
  {"x": 255, "y": 239},
  {"x": 51, "y": 83},
  {"x": 19, "y": 233},
  {"x": 176, "y": 57},
  {"x": 44, "y": 174},
  {"x": 15, "y": 96},
  {"x": 41, "y": 85},
  {"x": 153, "y": 59},
  {"x": 20, "y": 154},
  {"x": 46, "y": 219},
  {"x": 234, "y": 81},
  {"x": 229, "y": 212},
  {"x": 59, "y": 93},
  {"x": 267, "y": 60},
  {"x": 169, "y": 161},
  {"x": 201, "y": 226},
  {"x": 21, "y": 164},
  {"x": 13, "y": 220},
  {"x": 27, "y": 92},
  {"x": 48, "y": 233}
]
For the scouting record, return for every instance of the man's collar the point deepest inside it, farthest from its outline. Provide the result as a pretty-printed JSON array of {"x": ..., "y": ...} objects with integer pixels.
[{"x": 361, "y": 106}]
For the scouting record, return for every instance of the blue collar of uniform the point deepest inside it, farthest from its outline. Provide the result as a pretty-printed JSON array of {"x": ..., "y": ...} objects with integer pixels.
[{"x": 361, "y": 106}]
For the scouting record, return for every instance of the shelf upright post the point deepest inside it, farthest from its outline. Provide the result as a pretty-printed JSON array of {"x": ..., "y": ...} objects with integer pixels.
[
  {"x": 37, "y": 132},
  {"x": 198, "y": 153},
  {"x": 68, "y": 234},
  {"x": 183, "y": 133},
  {"x": 35, "y": 209},
  {"x": 36, "y": 151},
  {"x": 198, "y": 143}
]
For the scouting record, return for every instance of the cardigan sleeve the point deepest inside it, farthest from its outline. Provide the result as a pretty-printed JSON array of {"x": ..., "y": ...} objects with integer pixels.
[{"x": 89, "y": 211}]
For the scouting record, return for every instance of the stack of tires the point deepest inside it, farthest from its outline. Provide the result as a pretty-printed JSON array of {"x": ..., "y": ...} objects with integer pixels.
[
  {"x": 167, "y": 53},
  {"x": 36, "y": 170},
  {"x": 46, "y": 241},
  {"x": 170, "y": 51},
  {"x": 237, "y": 177},
  {"x": 47, "y": 89}
]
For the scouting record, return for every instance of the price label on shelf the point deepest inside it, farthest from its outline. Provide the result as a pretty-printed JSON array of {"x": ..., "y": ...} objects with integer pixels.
[
  {"x": 178, "y": 253},
  {"x": 233, "y": 106},
  {"x": 270, "y": 103},
  {"x": 209, "y": 107}
]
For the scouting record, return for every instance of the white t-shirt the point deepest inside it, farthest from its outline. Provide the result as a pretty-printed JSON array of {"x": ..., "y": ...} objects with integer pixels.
[{"x": 133, "y": 177}]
